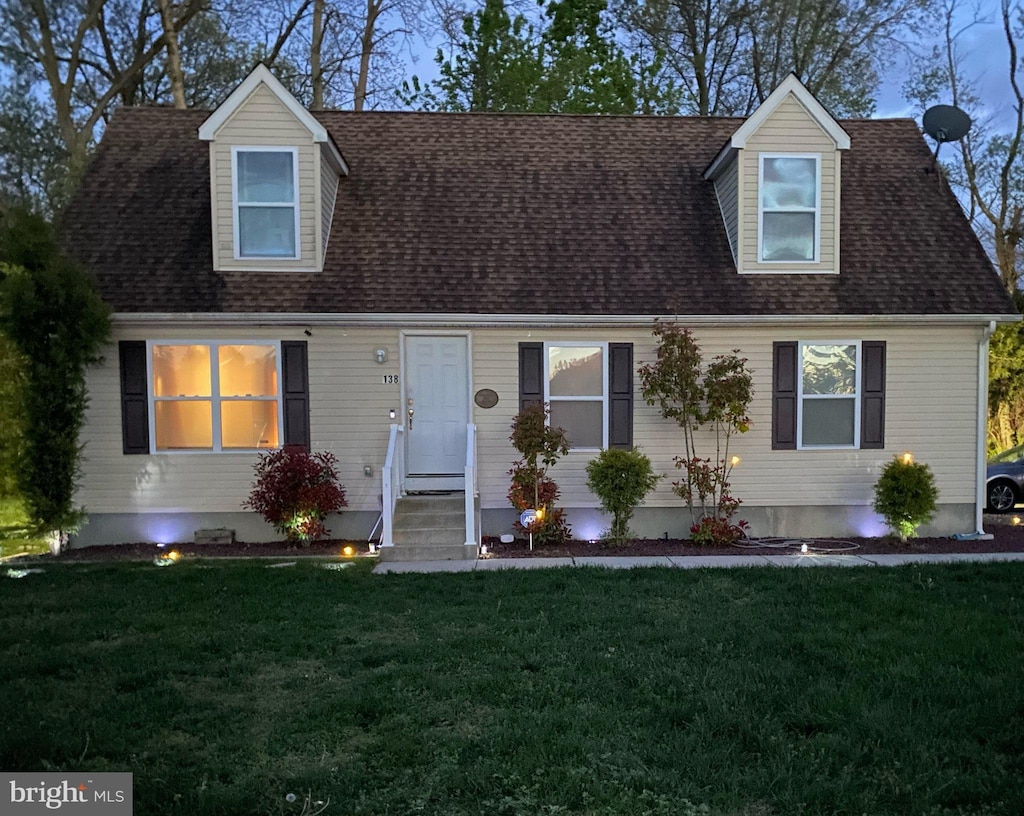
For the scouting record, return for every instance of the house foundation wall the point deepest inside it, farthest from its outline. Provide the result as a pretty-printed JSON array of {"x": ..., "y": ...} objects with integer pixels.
[
  {"x": 175, "y": 528},
  {"x": 792, "y": 521},
  {"x": 836, "y": 521}
]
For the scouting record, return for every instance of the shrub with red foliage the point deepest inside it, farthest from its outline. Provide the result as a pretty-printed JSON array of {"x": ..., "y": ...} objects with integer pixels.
[{"x": 295, "y": 490}]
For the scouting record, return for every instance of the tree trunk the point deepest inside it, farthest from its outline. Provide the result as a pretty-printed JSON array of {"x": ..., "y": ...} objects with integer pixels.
[
  {"x": 367, "y": 42},
  {"x": 174, "y": 71},
  {"x": 315, "y": 46}
]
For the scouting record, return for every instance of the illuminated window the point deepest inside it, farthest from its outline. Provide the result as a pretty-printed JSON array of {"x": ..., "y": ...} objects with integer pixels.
[
  {"x": 266, "y": 202},
  {"x": 215, "y": 396},
  {"x": 575, "y": 389},
  {"x": 829, "y": 395},
  {"x": 789, "y": 201}
]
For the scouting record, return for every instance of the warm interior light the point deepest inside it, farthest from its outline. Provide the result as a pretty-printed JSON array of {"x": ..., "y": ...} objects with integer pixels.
[
  {"x": 349, "y": 552},
  {"x": 908, "y": 458},
  {"x": 735, "y": 460}
]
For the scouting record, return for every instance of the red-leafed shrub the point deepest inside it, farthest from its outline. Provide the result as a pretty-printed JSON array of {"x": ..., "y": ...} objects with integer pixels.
[{"x": 295, "y": 490}]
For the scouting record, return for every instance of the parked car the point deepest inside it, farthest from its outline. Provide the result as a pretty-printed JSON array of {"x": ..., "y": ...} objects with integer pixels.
[{"x": 1004, "y": 480}]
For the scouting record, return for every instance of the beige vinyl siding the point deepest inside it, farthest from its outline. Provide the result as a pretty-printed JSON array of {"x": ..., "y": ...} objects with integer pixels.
[
  {"x": 263, "y": 120},
  {"x": 930, "y": 410},
  {"x": 727, "y": 190},
  {"x": 790, "y": 129},
  {"x": 329, "y": 179},
  {"x": 348, "y": 415},
  {"x": 929, "y": 414}
]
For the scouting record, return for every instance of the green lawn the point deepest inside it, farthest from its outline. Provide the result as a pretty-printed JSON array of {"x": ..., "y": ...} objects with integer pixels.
[
  {"x": 765, "y": 692},
  {"x": 14, "y": 536}
]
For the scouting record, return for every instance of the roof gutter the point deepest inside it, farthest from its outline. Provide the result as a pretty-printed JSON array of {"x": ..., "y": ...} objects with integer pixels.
[{"x": 413, "y": 320}]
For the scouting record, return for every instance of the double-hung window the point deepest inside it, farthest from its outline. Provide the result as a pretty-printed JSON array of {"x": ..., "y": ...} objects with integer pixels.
[
  {"x": 789, "y": 207},
  {"x": 266, "y": 202},
  {"x": 829, "y": 394},
  {"x": 576, "y": 390},
  {"x": 216, "y": 396}
]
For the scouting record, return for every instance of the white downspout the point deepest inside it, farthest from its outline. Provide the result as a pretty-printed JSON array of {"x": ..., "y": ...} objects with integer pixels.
[{"x": 979, "y": 501}]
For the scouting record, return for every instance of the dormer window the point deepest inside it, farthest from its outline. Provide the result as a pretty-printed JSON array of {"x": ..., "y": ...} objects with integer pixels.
[
  {"x": 790, "y": 207},
  {"x": 266, "y": 202}
]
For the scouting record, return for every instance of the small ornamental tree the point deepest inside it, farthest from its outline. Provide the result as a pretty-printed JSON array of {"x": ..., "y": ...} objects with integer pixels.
[
  {"x": 906, "y": 496},
  {"x": 701, "y": 398},
  {"x": 532, "y": 489},
  {"x": 295, "y": 490},
  {"x": 55, "y": 322},
  {"x": 621, "y": 479}
]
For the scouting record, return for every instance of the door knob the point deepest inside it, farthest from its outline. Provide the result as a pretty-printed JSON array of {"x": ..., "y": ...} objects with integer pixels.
[{"x": 411, "y": 412}]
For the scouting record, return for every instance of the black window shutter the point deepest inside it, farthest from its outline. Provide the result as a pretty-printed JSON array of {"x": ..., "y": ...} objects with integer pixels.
[
  {"x": 295, "y": 368},
  {"x": 531, "y": 374},
  {"x": 620, "y": 395},
  {"x": 134, "y": 396},
  {"x": 784, "y": 374},
  {"x": 872, "y": 395}
]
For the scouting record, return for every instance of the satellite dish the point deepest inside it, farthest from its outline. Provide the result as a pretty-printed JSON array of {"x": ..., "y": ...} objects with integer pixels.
[{"x": 946, "y": 123}]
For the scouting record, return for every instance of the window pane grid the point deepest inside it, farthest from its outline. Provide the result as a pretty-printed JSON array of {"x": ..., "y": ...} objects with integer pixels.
[
  {"x": 789, "y": 201},
  {"x": 266, "y": 203},
  {"x": 575, "y": 386},
  {"x": 830, "y": 419},
  {"x": 208, "y": 427}
]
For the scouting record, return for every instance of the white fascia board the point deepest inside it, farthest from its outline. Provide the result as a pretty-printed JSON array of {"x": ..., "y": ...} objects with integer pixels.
[
  {"x": 412, "y": 320},
  {"x": 817, "y": 111},
  {"x": 720, "y": 162},
  {"x": 261, "y": 75}
]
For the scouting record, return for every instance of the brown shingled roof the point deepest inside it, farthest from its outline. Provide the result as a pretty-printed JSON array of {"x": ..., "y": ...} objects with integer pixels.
[{"x": 507, "y": 214}]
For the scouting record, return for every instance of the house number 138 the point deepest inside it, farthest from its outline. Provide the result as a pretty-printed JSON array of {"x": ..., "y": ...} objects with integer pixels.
[{"x": 390, "y": 379}]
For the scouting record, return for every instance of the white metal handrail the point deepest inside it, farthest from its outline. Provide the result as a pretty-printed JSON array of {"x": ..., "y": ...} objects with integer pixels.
[
  {"x": 391, "y": 489},
  {"x": 472, "y": 534}
]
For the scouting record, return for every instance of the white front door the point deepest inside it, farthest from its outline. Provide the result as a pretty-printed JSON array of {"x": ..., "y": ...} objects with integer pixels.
[{"x": 437, "y": 391}]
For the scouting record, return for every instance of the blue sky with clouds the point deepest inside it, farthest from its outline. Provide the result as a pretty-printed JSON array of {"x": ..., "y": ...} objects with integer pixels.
[{"x": 986, "y": 59}]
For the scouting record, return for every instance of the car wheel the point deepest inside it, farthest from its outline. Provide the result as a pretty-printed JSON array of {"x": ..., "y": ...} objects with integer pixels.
[{"x": 1002, "y": 496}]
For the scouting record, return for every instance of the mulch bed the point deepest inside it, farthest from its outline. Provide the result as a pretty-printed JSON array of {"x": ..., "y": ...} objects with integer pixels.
[{"x": 1007, "y": 538}]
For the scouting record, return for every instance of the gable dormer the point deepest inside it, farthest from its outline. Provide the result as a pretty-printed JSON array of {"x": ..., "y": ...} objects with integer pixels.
[
  {"x": 778, "y": 185},
  {"x": 274, "y": 174}
]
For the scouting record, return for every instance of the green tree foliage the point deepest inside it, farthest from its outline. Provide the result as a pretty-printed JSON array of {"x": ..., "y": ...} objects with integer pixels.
[
  {"x": 532, "y": 488},
  {"x": 12, "y": 381},
  {"x": 568, "y": 61},
  {"x": 621, "y": 479},
  {"x": 33, "y": 160},
  {"x": 52, "y": 314},
  {"x": 906, "y": 496},
  {"x": 712, "y": 397}
]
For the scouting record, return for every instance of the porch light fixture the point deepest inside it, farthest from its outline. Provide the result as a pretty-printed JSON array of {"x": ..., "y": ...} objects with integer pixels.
[
  {"x": 381, "y": 355},
  {"x": 908, "y": 458},
  {"x": 392, "y": 413},
  {"x": 735, "y": 460},
  {"x": 803, "y": 548}
]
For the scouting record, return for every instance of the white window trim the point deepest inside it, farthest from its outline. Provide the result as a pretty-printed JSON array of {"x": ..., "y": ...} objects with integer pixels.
[
  {"x": 235, "y": 204},
  {"x": 761, "y": 211},
  {"x": 858, "y": 376},
  {"x": 215, "y": 398},
  {"x": 603, "y": 399}
]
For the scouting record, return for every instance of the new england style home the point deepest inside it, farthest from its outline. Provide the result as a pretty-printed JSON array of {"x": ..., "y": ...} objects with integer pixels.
[{"x": 392, "y": 287}]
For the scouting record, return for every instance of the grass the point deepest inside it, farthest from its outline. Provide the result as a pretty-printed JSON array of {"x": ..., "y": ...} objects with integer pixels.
[
  {"x": 757, "y": 692},
  {"x": 14, "y": 535}
]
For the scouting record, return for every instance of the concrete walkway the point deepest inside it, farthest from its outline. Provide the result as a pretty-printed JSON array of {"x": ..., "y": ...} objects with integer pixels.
[{"x": 695, "y": 561}]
